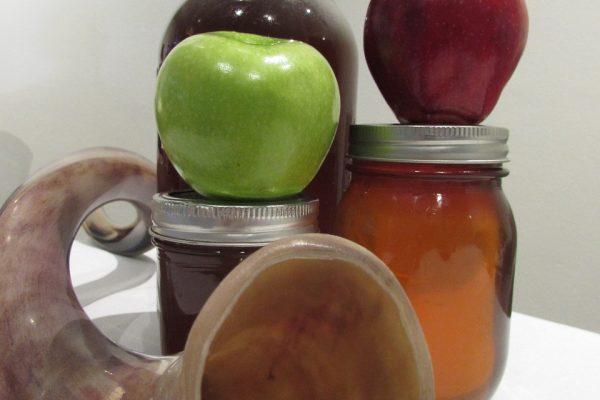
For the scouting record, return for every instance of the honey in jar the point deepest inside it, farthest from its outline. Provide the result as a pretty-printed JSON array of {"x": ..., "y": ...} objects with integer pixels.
[{"x": 428, "y": 201}]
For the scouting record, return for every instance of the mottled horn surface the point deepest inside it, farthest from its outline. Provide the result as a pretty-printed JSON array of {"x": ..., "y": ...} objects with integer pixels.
[{"x": 49, "y": 349}]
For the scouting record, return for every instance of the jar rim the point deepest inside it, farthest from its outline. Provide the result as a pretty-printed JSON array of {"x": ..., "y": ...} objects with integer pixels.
[
  {"x": 194, "y": 243},
  {"x": 434, "y": 144},
  {"x": 188, "y": 217}
]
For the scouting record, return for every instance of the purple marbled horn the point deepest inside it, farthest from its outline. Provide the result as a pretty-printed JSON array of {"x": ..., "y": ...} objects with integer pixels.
[
  {"x": 302, "y": 318},
  {"x": 49, "y": 349}
]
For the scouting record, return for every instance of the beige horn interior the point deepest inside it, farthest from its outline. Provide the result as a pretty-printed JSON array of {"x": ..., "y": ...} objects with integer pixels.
[{"x": 308, "y": 322}]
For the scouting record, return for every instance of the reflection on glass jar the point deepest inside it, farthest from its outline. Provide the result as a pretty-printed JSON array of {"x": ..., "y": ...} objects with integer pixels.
[
  {"x": 200, "y": 241},
  {"x": 429, "y": 202}
]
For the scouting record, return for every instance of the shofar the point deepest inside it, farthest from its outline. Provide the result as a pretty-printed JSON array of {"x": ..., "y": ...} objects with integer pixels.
[{"x": 310, "y": 317}]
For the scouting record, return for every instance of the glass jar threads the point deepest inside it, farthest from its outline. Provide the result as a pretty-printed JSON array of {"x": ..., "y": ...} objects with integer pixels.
[
  {"x": 428, "y": 201},
  {"x": 199, "y": 241}
]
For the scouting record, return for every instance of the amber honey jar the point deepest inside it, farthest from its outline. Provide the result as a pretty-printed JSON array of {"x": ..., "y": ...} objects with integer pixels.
[
  {"x": 428, "y": 201},
  {"x": 199, "y": 241}
]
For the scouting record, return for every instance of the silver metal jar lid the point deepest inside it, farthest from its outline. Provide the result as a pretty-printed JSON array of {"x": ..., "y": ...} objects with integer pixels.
[
  {"x": 187, "y": 217},
  {"x": 433, "y": 144}
]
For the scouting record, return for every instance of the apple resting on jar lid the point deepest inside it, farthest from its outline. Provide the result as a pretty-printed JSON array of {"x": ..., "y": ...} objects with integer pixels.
[
  {"x": 444, "y": 61},
  {"x": 244, "y": 116}
]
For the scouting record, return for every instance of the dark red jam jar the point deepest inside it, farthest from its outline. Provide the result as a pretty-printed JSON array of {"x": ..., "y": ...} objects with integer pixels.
[
  {"x": 199, "y": 241},
  {"x": 428, "y": 201}
]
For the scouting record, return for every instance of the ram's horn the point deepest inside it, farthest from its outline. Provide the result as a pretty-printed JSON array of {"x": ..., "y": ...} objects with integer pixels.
[
  {"x": 309, "y": 317},
  {"x": 49, "y": 349}
]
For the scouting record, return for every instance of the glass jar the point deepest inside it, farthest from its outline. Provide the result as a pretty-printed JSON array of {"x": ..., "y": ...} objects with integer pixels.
[
  {"x": 199, "y": 241},
  {"x": 317, "y": 22},
  {"x": 428, "y": 201}
]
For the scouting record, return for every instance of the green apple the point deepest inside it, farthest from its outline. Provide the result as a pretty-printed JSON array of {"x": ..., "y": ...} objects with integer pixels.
[{"x": 244, "y": 116}]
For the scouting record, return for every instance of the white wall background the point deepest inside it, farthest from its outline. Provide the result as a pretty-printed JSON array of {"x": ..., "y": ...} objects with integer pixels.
[{"x": 76, "y": 74}]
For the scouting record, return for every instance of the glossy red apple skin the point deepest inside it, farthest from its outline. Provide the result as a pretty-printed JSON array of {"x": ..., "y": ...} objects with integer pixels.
[{"x": 444, "y": 61}]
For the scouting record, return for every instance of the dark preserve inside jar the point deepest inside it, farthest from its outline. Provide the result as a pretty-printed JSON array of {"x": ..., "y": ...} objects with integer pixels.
[
  {"x": 200, "y": 241},
  {"x": 429, "y": 202},
  {"x": 188, "y": 275},
  {"x": 317, "y": 22}
]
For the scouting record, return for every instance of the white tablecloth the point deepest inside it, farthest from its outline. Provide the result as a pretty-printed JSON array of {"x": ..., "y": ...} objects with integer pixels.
[{"x": 547, "y": 360}]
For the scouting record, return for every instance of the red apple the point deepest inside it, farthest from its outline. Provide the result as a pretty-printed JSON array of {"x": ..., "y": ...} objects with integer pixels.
[{"x": 444, "y": 61}]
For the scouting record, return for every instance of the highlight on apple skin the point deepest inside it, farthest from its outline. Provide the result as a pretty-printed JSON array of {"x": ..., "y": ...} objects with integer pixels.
[
  {"x": 243, "y": 116},
  {"x": 444, "y": 61}
]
